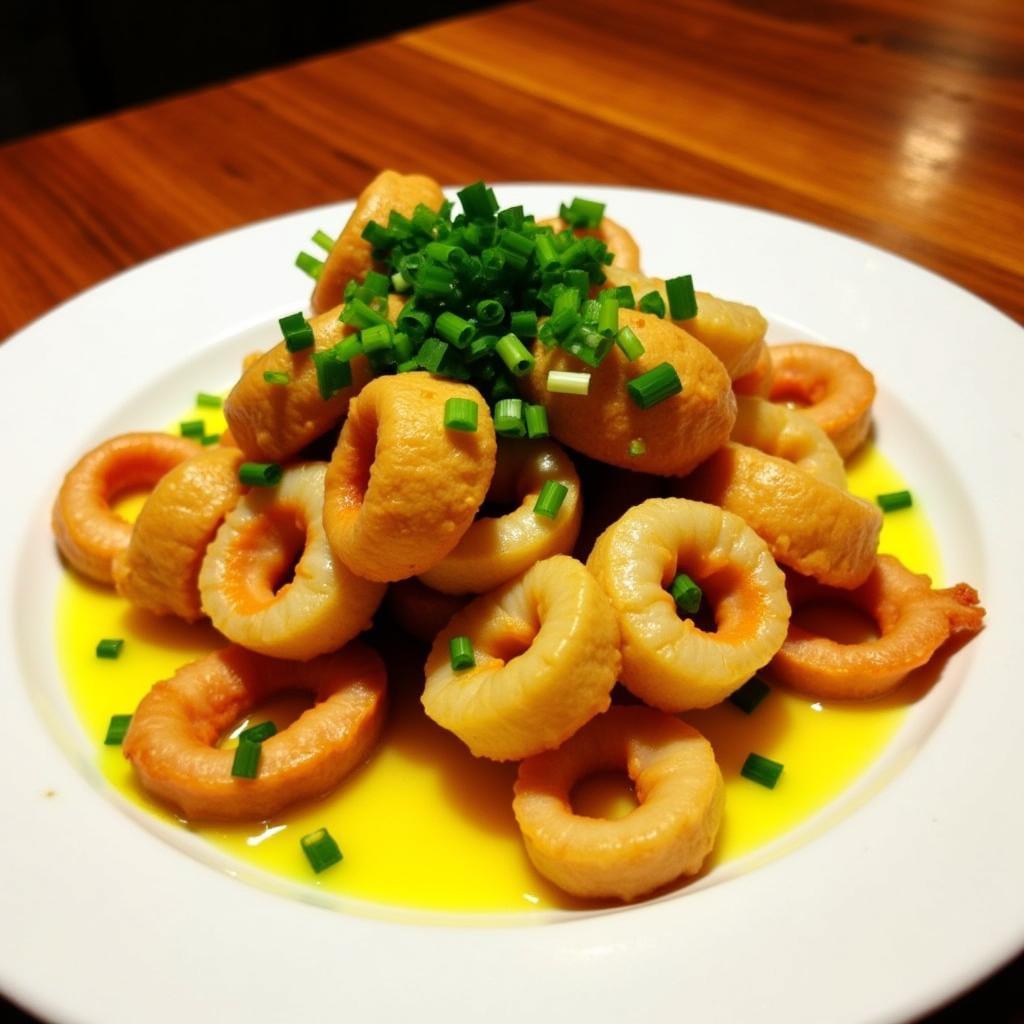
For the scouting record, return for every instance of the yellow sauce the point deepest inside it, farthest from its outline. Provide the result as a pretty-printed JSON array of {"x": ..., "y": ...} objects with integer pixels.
[{"x": 423, "y": 824}]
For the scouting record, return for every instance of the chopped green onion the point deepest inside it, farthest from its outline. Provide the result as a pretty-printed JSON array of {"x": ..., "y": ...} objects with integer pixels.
[
  {"x": 332, "y": 373},
  {"x": 247, "y": 759},
  {"x": 192, "y": 428},
  {"x": 490, "y": 312},
  {"x": 564, "y": 382},
  {"x": 454, "y": 329},
  {"x": 632, "y": 347},
  {"x": 116, "y": 729},
  {"x": 608, "y": 315},
  {"x": 638, "y": 446},
  {"x": 434, "y": 281},
  {"x": 652, "y": 302},
  {"x": 260, "y": 474},
  {"x": 414, "y": 322},
  {"x": 258, "y": 733},
  {"x": 109, "y": 648},
  {"x": 399, "y": 282},
  {"x": 550, "y": 499},
  {"x": 478, "y": 201},
  {"x": 508, "y": 418},
  {"x": 894, "y": 501},
  {"x": 409, "y": 366},
  {"x": 376, "y": 283},
  {"x": 348, "y": 348},
  {"x": 749, "y": 695},
  {"x": 682, "y": 302},
  {"x": 461, "y": 414},
  {"x": 761, "y": 770},
  {"x": 582, "y": 213},
  {"x": 298, "y": 335},
  {"x": 208, "y": 439},
  {"x": 208, "y": 401},
  {"x": 321, "y": 850},
  {"x": 403, "y": 346},
  {"x": 655, "y": 385},
  {"x": 377, "y": 235},
  {"x": 536, "y": 417},
  {"x": 359, "y": 315},
  {"x": 276, "y": 377},
  {"x": 431, "y": 354},
  {"x": 514, "y": 354},
  {"x": 481, "y": 347},
  {"x": 378, "y": 338},
  {"x": 686, "y": 594},
  {"x": 460, "y": 650},
  {"x": 547, "y": 254},
  {"x": 624, "y": 293},
  {"x": 309, "y": 265},
  {"x": 324, "y": 240},
  {"x": 523, "y": 324}
]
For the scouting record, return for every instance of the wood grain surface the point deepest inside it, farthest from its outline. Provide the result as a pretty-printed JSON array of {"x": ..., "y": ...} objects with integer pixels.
[{"x": 896, "y": 121}]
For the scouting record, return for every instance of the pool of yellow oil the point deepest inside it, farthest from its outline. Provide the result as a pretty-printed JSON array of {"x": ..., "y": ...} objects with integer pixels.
[{"x": 423, "y": 824}]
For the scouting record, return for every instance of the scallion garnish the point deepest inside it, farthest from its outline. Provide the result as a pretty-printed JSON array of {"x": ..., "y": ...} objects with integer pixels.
[
  {"x": 608, "y": 315},
  {"x": 116, "y": 729},
  {"x": 460, "y": 650},
  {"x": 192, "y": 428},
  {"x": 523, "y": 323},
  {"x": 550, "y": 499},
  {"x": 682, "y": 301},
  {"x": 564, "y": 382},
  {"x": 514, "y": 354},
  {"x": 321, "y": 850},
  {"x": 208, "y": 439},
  {"x": 109, "y": 648},
  {"x": 582, "y": 213},
  {"x": 632, "y": 347},
  {"x": 309, "y": 265},
  {"x": 247, "y": 759},
  {"x": 208, "y": 401},
  {"x": 332, "y": 372},
  {"x": 461, "y": 414},
  {"x": 360, "y": 315},
  {"x": 508, "y": 418},
  {"x": 260, "y": 474},
  {"x": 638, "y": 446},
  {"x": 478, "y": 201},
  {"x": 454, "y": 329},
  {"x": 686, "y": 594},
  {"x": 258, "y": 733},
  {"x": 536, "y": 417},
  {"x": 378, "y": 338},
  {"x": 749, "y": 695},
  {"x": 624, "y": 293},
  {"x": 490, "y": 312},
  {"x": 431, "y": 354},
  {"x": 323, "y": 240},
  {"x": 276, "y": 377},
  {"x": 894, "y": 501},
  {"x": 761, "y": 770},
  {"x": 297, "y": 333},
  {"x": 652, "y": 302},
  {"x": 655, "y": 385}
]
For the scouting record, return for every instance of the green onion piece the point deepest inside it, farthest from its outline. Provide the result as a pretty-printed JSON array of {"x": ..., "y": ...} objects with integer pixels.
[
  {"x": 309, "y": 265},
  {"x": 208, "y": 401},
  {"x": 490, "y": 312},
  {"x": 550, "y": 499},
  {"x": 686, "y": 594},
  {"x": 414, "y": 322},
  {"x": 624, "y": 293},
  {"x": 332, "y": 373},
  {"x": 377, "y": 235},
  {"x": 578, "y": 279},
  {"x": 508, "y": 418},
  {"x": 480, "y": 347},
  {"x": 116, "y": 729},
  {"x": 638, "y": 446},
  {"x": 547, "y": 254},
  {"x": 504, "y": 386},
  {"x": 894, "y": 501},
  {"x": 608, "y": 315},
  {"x": 260, "y": 474},
  {"x": 761, "y": 770},
  {"x": 376, "y": 283},
  {"x": 192, "y": 428},
  {"x": 460, "y": 649},
  {"x": 324, "y": 240},
  {"x": 632, "y": 347},
  {"x": 258, "y": 733},
  {"x": 652, "y": 302},
  {"x": 276, "y": 377},
  {"x": 582, "y": 213},
  {"x": 749, "y": 695},
  {"x": 247, "y": 759},
  {"x": 655, "y": 385},
  {"x": 536, "y": 417},
  {"x": 559, "y": 324},
  {"x": 574, "y": 255},
  {"x": 567, "y": 300},
  {"x": 434, "y": 281},
  {"x": 516, "y": 244},
  {"x": 403, "y": 346},
  {"x": 461, "y": 414},
  {"x": 208, "y": 439},
  {"x": 399, "y": 282},
  {"x": 564, "y": 382},
  {"x": 359, "y": 315},
  {"x": 514, "y": 354},
  {"x": 478, "y": 201},
  {"x": 408, "y": 366},
  {"x": 523, "y": 324},
  {"x": 109, "y": 648},
  {"x": 321, "y": 850},
  {"x": 348, "y": 348},
  {"x": 682, "y": 302},
  {"x": 378, "y": 338},
  {"x": 431, "y": 354},
  {"x": 454, "y": 329}
]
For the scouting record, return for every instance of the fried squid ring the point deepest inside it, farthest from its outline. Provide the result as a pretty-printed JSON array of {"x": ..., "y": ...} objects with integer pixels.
[
  {"x": 670, "y": 662},
  {"x": 352, "y": 256},
  {"x": 495, "y": 549},
  {"x": 913, "y": 619},
  {"x": 321, "y": 608},
  {"x": 758, "y": 382},
  {"x": 88, "y": 531},
  {"x": 678, "y": 433},
  {"x": 809, "y": 524},
  {"x": 401, "y": 488},
  {"x": 173, "y": 736},
  {"x": 421, "y": 611},
  {"x": 732, "y": 330},
  {"x": 547, "y": 657},
  {"x": 678, "y": 787},
  {"x": 272, "y": 422},
  {"x": 621, "y": 244},
  {"x": 832, "y": 386},
  {"x": 159, "y": 570}
]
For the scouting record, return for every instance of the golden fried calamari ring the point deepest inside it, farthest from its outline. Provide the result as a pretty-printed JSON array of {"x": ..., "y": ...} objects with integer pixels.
[
  {"x": 352, "y": 256},
  {"x": 668, "y": 661},
  {"x": 679, "y": 433},
  {"x": 88, "y": 532},
  {"x": 733, "y": 331},
  {"x": 832, "y": 386},
  {"x": 678, "y": 787},
  {"x": 322, "y": 607},
  {"x": 159, "y": 570},
  {"x": 547, "y": 657},
  {"x": 913, "y": 619},
  {"x": 272, "y": 422},
  {"x": 172, "y": 739},
  {"x": 495, "y": 549},
  {"x": 788, "y": 434},
  {"x": 810, "y": 525},
  {"x": 421, "y": 611},
  {"x": 401, "y": 488},
  {"x": 758, "y": 381},
  {"x": 621, "y": 244}
]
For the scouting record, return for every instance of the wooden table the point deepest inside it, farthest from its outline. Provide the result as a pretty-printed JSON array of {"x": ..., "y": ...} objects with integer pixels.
[{"x": 898, "y": 122}]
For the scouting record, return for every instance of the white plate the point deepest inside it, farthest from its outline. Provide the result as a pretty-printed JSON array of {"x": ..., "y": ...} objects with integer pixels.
[{"x": 912, "y": 894}]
